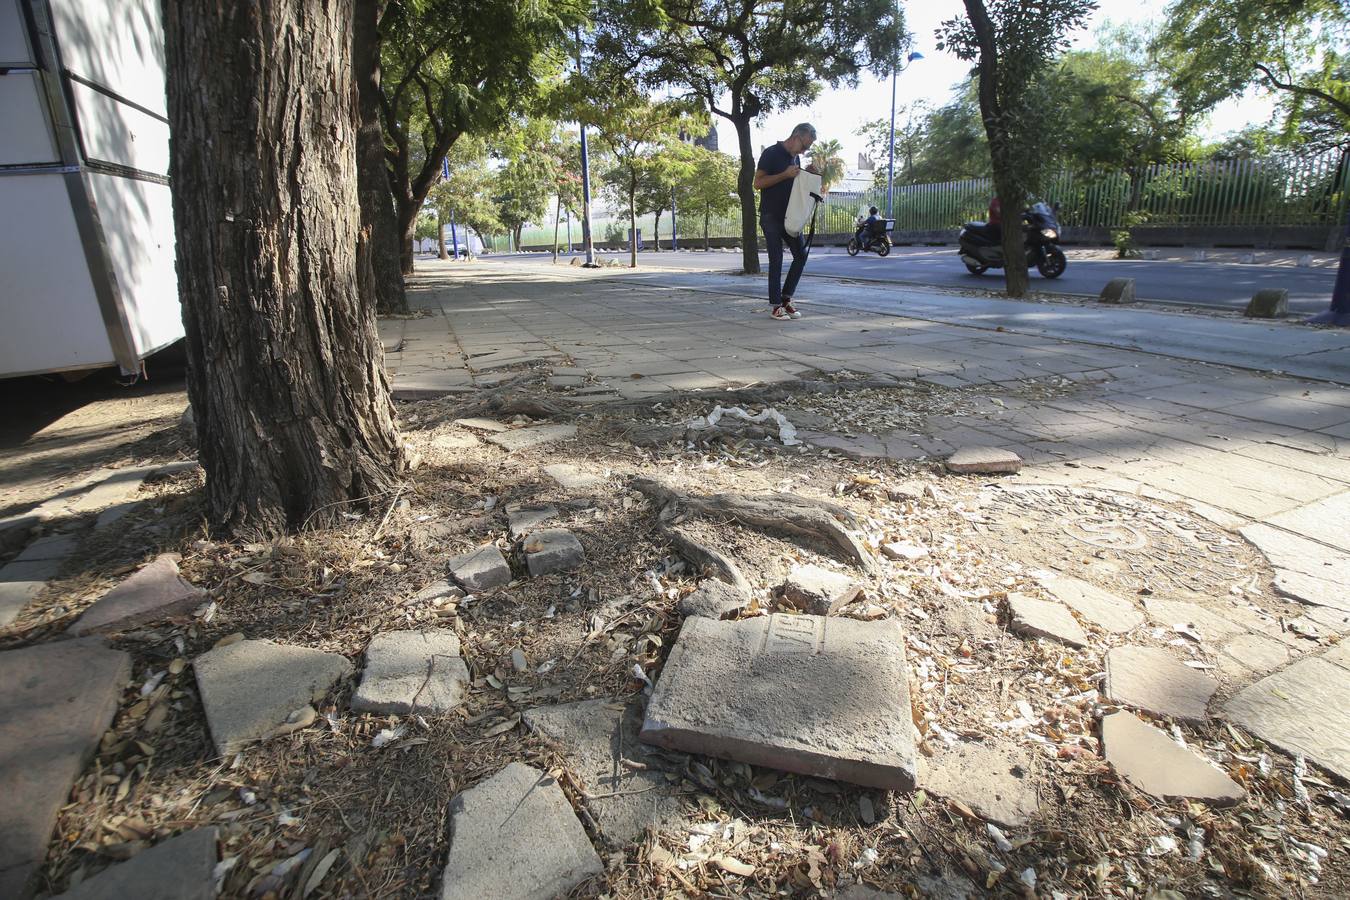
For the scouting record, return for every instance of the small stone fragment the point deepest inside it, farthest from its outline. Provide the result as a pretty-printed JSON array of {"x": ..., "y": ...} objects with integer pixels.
[
  {"x": 180, "y": 868},
  {"x": 983, "y": 461},
  {"x": 770, "y": 691},
  {"x": 157, "y": 591},
  {"x": 537, "y": 436},
  {"x": 1102, "y": 608},
  {"x": 995, "y": 782},
  {"x": 515, "y": 837},
  {"x": 521, "y": 522},
  {"x": 1045, "y": 618},
  {"x": 1150, "y": 679},
  {"x": 818, "y": 591},
  {"x": 518, "y": 660},
  {"x": 1157, "y": 765},
  {"x": 715, "y": 599},
  {"x": 490, "y": 425},
  {"x": 412, "y": 671},
  {"x": 248, "y": 688},
  {"x": 904, "y": 550},
  {"x": 481, "y": 569},
  {"x": 570, "y": 478},
  {"x": 438, "y": 590},
  {"x": 552, "y": 550}
]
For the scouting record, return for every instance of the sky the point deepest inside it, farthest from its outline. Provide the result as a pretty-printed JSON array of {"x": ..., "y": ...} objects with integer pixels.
[{"x": 838, "y": 113}]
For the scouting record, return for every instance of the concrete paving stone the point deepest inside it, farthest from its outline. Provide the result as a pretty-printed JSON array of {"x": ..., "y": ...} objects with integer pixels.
[
  {"x": 1244, "y": 488},
  {"x": 1102, "y": 608},
  {"x": 819, "y": 591},
  {"x": 769, "y": 691},
  {"x": 597, "y": 736},
  {"x": 24, "y": 577},
  {"x": 571, "y": 478},
  {"x": 1148, "y": 678},
  {"x": 478, "y": 424},
  {"x": 714, "y": 599},
  {"x": 515, "y": 837},
  {"x": 521, "y": 522},
  {"x": 154, "y": 592},
  {"x": 405, "y": 385},
  {"x": 59, "y": 699},
  {"x": 1257, "y": 653},
  {"x": 552, "y": 550},
  {"x": 248, "y": 688},
  {"x": 1308, "y": 459},
  {"x": 1339, "y": 654},
  {"x": 454, "y": 440},
  {"x": 1304, "y": 708},
  {"x": 1150, "y": 760},
  {"x": 535, "y": 436},
  {"x": 983, "y": 461},
  {"x": 1292, "y": 412},
  {"x": 412, "y": 671},
  {"x": 1335, "y": 621},
  {"x": 859, "y": 446},
  {"x": 1305, "y": 570},
  {"x": 180, "y": 868},
  {"x": 1326, "y": 520},
  {"x": 996, "y": 782},
  {"x": 440, "y": 589},
  {"x": 481, "y": 569},
  {"x": 904, "y": 550},
  {"x": 1211, "y": 626},
  {"x": 1045, "y": 618}
]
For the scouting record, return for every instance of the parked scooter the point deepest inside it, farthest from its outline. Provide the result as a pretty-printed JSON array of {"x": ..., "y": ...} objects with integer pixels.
[
  {"x": 876, "y": 238},
  {"x": 982, "y": 250}
]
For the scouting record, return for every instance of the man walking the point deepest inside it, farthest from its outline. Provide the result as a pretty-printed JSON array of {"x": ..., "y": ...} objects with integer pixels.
[{"x": 778, "y": 165}]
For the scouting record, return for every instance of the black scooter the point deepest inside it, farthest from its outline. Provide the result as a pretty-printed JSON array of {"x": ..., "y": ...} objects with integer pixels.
[
  {"x": 982, "y": 250},
  {"x": 875, "y": 238}
]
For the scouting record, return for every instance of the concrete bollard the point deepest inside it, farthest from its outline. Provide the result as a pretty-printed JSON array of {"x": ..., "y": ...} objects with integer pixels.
[
  {"x": 1270, "y": 303},
  {"x": 1118, "y": 290},
  {"x": 1305, "y": 261},
  {"x": 1200, "y": 256}
]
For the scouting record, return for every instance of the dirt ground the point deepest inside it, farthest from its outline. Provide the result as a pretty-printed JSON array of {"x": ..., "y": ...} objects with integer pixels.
[{"x": 369, "y": 818}]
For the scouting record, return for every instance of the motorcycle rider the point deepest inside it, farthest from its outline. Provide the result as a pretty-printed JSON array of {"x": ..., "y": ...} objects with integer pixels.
[{"x": 865, "y": 229}]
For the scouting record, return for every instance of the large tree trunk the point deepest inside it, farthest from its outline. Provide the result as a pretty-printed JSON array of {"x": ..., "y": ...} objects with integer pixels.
[
  {"x": 378, "y": 225},
  {"x": 656, "y": 232},
  {"x": 285, "y": 370},
  {"x": 745, "y": 188}
]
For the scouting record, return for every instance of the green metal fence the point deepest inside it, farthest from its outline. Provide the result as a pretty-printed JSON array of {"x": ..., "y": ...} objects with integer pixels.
[{"x": 1278, "y": 191}]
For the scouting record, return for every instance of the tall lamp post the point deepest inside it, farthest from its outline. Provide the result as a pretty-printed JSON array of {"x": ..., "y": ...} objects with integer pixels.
[
  {"x": 890, "y": 166},
  {"x": 585, "y": 181}
]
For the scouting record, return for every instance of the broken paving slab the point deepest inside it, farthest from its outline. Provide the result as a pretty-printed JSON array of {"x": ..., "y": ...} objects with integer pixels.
[
  {"x": 1255, "y": 653},
  {"x": 1326, "y": 520},
  {"x": 1045, "y": 618},
  {"x": 808, "y": 694},
  {"x": 715, "y": 599},
  {"x": 984, "y": 461},
  {"x": 552, "y": 550},
  {"x": 1179, "y": 615},
  {"x": 818, "y": 591},
  {"x": 996, "y": 782},
  {"x": 249, "y": 688},
  {"x": 24, "y": 577},
  {"x": 156, "y": 591},
  {"x": 180, "y": 868},
  {"x": 1150, "y": 679},
  {"x": 536, "y": 436},
  {"x": 597, "y": 736},
  {"x": 1305, "y": 570},
  {"x": 491, "y": 425},
  {"x": 412, "y": 671},
  {"x": 481, "y": 569},
  {"x": 59, "y": 699},
  {"x": 904, "y": 550},
  {"x": 571, "y": 478},
  {"x": 515, "y": 837},
  {"x": 1102, "y": 608},
  {"x": 1153, "y": 762},
  {"x": 1304, "y": 708},
  {"x": 520, "y": 522},
  {"x": 454, "y": 440}
]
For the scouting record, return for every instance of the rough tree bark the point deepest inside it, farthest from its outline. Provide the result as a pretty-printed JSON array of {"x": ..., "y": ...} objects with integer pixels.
[
  {"x": 1006, "y": 186},
  {"x": 745, "y": 188},
  {"x": 379, "y": 227},
  {"x": 285, "y": 369}
]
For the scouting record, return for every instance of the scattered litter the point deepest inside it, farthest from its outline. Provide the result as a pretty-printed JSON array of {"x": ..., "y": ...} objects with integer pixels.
[{"x": 786, "y": 432}]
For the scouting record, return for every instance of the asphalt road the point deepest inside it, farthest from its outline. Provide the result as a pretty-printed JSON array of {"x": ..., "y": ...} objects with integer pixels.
[{"x": 1228, "y": 285}]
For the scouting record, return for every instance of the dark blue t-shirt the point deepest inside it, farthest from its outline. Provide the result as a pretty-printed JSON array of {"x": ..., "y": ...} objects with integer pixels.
[{"x": 773, "y": 201}]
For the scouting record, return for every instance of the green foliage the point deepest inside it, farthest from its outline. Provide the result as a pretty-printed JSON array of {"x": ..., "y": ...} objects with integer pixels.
[
  {"x": 829, "y": 164},
  {"x": 468, "y": 193},
  {"x": 426, "y": 227},
  {"x": 932, "y": 145},
  {"x": 710, "y": 188}
]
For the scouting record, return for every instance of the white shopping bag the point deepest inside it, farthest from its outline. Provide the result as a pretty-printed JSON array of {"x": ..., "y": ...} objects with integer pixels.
[{"x": 801, "y": 204}]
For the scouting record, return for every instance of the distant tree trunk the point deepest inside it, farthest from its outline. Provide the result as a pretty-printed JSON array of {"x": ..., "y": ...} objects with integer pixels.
[
  {"x": 745, "y": 188},
  {"x": 285, "y": 369},
  {"x": 1006, "y": 183},
  {"x": 632, "y": 226},
  {"x": 656, "y": 231},
  {"x": 707, "y": 214},
  {"x": 378, "y": 225},
  {"x": 557, "y": 220},
  {"x": 440, "y": 236}
]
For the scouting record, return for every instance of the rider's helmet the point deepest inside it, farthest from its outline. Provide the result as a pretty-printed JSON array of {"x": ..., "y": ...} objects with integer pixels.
[{"x": 872, "y": 211}]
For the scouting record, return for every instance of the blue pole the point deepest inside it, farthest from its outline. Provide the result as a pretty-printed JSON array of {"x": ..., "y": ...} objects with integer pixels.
[
  {"x": 673, "y": 244},
  {"x": 569, "y": 231},
  {"x": 585, "y": 179},
  {"x": 890, "y": 165},
  {"x": 454, "y": 237},
  {"x": 1339, "y": 313}
]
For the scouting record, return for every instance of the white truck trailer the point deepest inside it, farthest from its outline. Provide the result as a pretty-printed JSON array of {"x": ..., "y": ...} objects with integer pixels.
[{"x": 86, "y": 223}]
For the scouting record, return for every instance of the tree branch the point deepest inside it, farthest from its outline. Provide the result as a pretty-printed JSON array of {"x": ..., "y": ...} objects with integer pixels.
[{"x": 1304, "y": 91}]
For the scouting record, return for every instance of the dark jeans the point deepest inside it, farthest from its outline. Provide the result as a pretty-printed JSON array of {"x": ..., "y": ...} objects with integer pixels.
[{"x": 775, "y": 237}]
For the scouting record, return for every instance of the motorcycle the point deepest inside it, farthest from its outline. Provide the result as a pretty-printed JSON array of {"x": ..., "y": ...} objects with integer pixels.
[
  {"x": 877, "y": 238},
  {"x": 982, "y": 251}
]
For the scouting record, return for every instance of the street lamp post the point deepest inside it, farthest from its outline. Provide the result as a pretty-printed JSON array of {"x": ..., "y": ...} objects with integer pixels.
[
  {"x": 585, "y": 181},
  {"x": 890, "y": 166}
]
